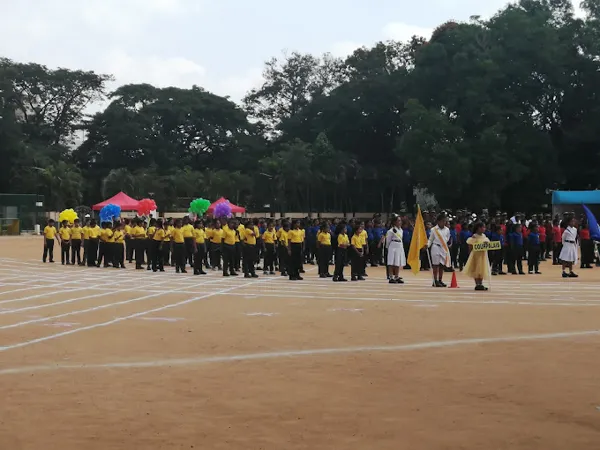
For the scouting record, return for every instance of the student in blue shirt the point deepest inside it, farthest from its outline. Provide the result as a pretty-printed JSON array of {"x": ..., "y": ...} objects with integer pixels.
[
  {"x": 534, "y": 249},
  {"x": 453, "y": 245},
  {"x": 463, "y": 255},
  {"x": 515, "y": 251},
  {"x": 407, "y": 232},
  {"x": 376, "y": 248},
  {"x": 496, "y": 256}
]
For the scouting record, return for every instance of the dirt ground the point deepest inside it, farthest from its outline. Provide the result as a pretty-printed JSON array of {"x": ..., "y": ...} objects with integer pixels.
[{"x": 123, "y": 359}]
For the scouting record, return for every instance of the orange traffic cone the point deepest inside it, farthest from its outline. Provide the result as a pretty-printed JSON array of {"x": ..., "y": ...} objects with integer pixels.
[{"x": 453, "y": 284}]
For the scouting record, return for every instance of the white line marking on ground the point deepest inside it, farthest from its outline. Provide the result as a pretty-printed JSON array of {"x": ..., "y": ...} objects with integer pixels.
[{"x": 294, "y": 353}]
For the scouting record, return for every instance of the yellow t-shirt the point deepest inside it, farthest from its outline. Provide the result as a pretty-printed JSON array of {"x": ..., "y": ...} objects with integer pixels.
[
  {"x": 256, "y": 232},
  {"x": 138, "y": 232},
  {"x": 188, "y": 231},
  {"x": 76, "y": 233},
  {"x": 296, "y": 236},
  {"x": 49, "y": 232},
  {"x": 343, "y": 240},
  {"x": 86, "y": 233},
  {"x": 159, "y": 235},
  {"x": 177, "y": 235},
  {"x": 64, "y": 233},
  {"x": 109, "y": 235},
  {"x": 127, "y": 229},
  {"x": 324, "y": 238},
  {"x": 216, "y": 236},
  {"x": 241, "y": 232},
  {"x": 363, "y": 237},
  {"x": 119, "y": 236},
  {"x": 229, "y": 236},
  {"x": 199, "y": 235},
  {"x": 250, "y": 236},
  {"x": 283, "y": 236},
  {"x": 269, "y": 237},
  {"x": 94, "y": 232},
  {"x": 168, "y": 233},
  {"x": 356, "y": 242},
  {"x": 151, "y": 231}
]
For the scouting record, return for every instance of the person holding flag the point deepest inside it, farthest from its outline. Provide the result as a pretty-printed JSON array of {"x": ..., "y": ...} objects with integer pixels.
[
  {"x": 418, "y": 241},
  {"x": 395, "y": 251},
  {"x": 440, "y": 253}
]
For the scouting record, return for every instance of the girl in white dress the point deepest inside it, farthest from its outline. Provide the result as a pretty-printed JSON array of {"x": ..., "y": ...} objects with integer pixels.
[
  {"x": 395, "y": 251},
  {"x": 568, "y": 254}
]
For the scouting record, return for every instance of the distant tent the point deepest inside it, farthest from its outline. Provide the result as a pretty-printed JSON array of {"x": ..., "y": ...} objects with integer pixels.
[
  {"x": 234, "y": 208},
  {"x": 572, "y": 201},
  {"x": 121, "y": 199}
]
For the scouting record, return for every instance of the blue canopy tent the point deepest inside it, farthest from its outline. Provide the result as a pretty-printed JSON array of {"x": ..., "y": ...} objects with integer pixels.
[{"x": 571, "y": 201}]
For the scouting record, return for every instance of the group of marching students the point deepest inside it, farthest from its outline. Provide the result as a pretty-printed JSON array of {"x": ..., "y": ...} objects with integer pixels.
[
  {"x": 236, "y": 245},
  {"x": 224, "y": 244}
]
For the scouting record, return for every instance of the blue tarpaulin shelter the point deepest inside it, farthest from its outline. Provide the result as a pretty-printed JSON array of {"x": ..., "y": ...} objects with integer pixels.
[{"x": 571, "y": 201}]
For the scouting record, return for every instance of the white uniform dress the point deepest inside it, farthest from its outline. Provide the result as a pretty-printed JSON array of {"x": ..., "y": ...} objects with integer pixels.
[
  {"x": 569, "y": 248},
  {"x": 439, "y": 249},
  {"x": 393, "y": 243}
]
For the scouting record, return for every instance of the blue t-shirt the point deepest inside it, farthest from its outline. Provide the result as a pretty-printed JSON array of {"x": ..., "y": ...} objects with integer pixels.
[
  {"x": 428, "y": 232},
  {"x": 515, "y": 239},
  {"x": 464, "y": 235},
  {"x": 378, "y": 233},
  {"x": 370, "y": 234},
  {"x": 534, "y": 238},
  {"x": 406, "y": 236},
  {"x": 452, "y": 236}
]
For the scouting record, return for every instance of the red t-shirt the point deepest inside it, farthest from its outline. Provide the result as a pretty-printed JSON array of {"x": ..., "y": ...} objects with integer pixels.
[
  {"x": 542, "y": 234},
  {"x": 557, "y": 232},
  {"x": 458, "y": 228},
  {"x": 503, "y": 228},
  {"x": 584, "y": 234}
]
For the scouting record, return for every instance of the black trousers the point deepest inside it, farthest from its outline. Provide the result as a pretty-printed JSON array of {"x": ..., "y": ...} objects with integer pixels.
[
  {"x": 533, "y": 258},
  {"x": 104, "y": 253},
  {"x": 129, "y": 245},
  {"x": 515, "y": 259},
  {"x": 139, "y": 246},
  {"x": 269, "y": 254},
  {"x": 76, "y": 251},
  {"x": 166, "y": 253},
  {"x": 356, "y": 264},
  {"x": 85, "y": 250},
  {"x": 249, "y": 259},
  {"x": 199, "y": 258},
  {"x": 148, "y": 251},
  {"x": 179, "y": 256},
  {"x": 340, "y": 262},
  {"x": 375, "y": 253},
  {"x": 497, "y": 259},
  {"x": 295, "y": 260},
  {"x": 284, "y": 259},
  {"x": 323, "y": 259},
  {"x": 48, "y": 250},
  {"x": 587, "y": 252},
  {"x": 215, "y": 255},
  {"x": 228, "y": 252},
  {"x": 237, "y": 255},
  {"x": 64, "y": 252},
  {"x": 156, "y": 255},
  {"x": 556, "y": 252},
  {"x": 189, "y": 251},
  {"x": 463, "y": 256},
  {"x": 92, "y": 252},
  {"x": 118, "y": 255},
  {"x": 454, "y": 255}
]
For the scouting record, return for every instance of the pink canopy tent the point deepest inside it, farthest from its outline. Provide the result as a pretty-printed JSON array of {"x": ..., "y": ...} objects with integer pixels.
[
  {"x": 234, "y": 208},
  {"x": 121, "y": 199}
]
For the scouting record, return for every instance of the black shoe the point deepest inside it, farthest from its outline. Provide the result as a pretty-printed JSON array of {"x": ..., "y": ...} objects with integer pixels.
[
  {"x": 302, "y": 271},
  {"x": 399, "y": 281},
  {"x": 521, "y": 273},
  {"x": 271, "y": 273},
  {"x": 336, "y": 279},
  {"x": 226, "y": 274},
  {"x": 184, "y": 271},
  {"x": 202, "y": 272},
  {"x": 530, "y": 272},
  {"x": 364, "y": 274},
  {"x": 246, "y": 275},
  {"x": 322, "y": 276},
  {"x": 149, "y": 268},
  {"x": 343, "y": 279},
  {"x": 480, "y": 287},
  {"x": 494, "y": 273},
  {"x": 565, "y": 275},
  {"x": 392, "y": 281},
  {"x": 293, "y": 278},
  {"x": 538, "y": 272},
  {"x": 160, "y": 270},
  {"x": 353, "y": 279},
  {"x": 299, "y": 278},
  {"x": 234, "y": 274},
  {"x": 501, "y": 273},
  {"x": 573, "y": 275},
  {"x": 253, "y": 276},
  {"x": 360, "y": 279}
]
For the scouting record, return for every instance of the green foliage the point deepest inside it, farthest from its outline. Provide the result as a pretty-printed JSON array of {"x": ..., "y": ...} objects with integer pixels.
[{"x": 488, "y": 113}]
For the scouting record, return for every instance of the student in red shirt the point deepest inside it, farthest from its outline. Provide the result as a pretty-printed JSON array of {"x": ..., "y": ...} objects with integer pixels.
[
  {"x": 557, "y": 234},
  {"x": 543, "y": 238},
  {"x": 587, "y": 247}
]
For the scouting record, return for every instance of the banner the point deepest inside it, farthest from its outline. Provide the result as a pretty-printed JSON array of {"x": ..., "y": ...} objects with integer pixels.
[{"x": 487, "y": 246}]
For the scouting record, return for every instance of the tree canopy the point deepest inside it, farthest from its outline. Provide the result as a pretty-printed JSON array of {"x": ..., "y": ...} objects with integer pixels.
[{"x": 487, "y": 113}]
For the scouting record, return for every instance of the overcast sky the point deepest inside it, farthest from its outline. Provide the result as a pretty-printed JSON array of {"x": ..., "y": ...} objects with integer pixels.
[{"x": 220, "y": 45}]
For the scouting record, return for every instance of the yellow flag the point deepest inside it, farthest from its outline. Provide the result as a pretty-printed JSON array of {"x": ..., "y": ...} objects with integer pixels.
[{"x": 419, "y": 240}]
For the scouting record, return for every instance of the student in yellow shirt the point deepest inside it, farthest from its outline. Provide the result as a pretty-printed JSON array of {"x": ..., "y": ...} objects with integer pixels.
[
  {"x": 284, "y": 257},
  {"x": 239, "y": 237},
  {"x": 199, "y": 247},
  {"x": 356, "y": 254},
  {"x": 138, "y": 234},
  {"x": 128, "y": 240},
  {"x": 295, "y": 250},
  {"x": 364, "y": 239},
  {"x": 324, "y": 250},
  {"x": 167, "y": 247},
  {"x": 188, "y": 237},
  {"x": 86, "y": 240},
  {"x": 228, "y": 248},
  {"x": 216, "y": 239},
  {"x": 156, "y": 243},
  {"x": 64, "y": 233},
  {"x": 249, "y": 250},
  {"x": 76, "y": 237},
  {"x": 340, "y": 257},
  {"x": 50, "y": 235},
  {"x": 268, "y": 240},
  {"x": 94, "y": 237},
  {"x": 148, "y": 242},
  {"x": 178, "y": 247},
  {"x": 118, "y": 250},
  {"x": 105, "y": 245}
]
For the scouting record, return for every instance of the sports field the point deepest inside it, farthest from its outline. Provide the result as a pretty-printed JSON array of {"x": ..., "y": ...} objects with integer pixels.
[{"x": 124, "y": 359}]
